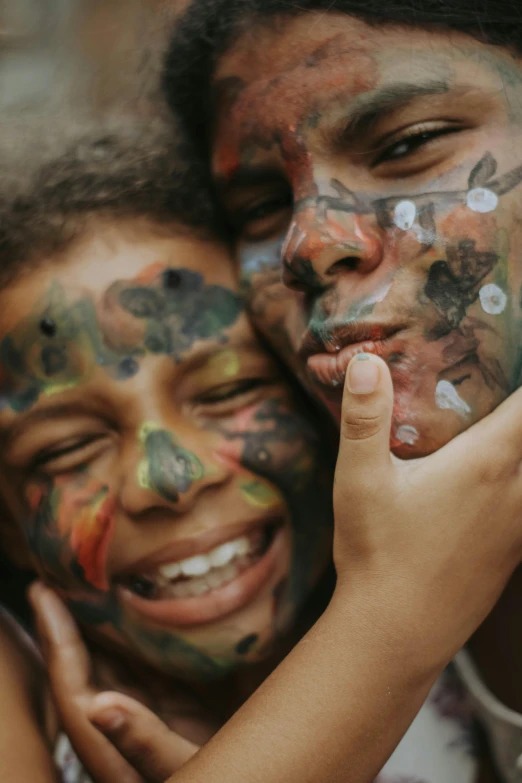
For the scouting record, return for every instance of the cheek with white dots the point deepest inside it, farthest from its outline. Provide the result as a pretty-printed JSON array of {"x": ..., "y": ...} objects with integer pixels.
[
  {"x": 493, "y": 299},
  {"x": 448, "y": 398}
]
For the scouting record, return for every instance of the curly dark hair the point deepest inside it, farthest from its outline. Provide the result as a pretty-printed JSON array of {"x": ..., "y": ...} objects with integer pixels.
[
  {"x": 49, "y": 193},
  {"x": 209, "y": 27}
]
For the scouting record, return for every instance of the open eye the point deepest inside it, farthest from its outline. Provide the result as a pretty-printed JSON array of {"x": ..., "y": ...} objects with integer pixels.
[
  {"x": 414, "y": 139},
  {"x": 70, "y": 455}
]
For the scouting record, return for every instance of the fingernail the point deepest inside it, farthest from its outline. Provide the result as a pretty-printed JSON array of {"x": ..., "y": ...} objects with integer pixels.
[
  {"x": 108, "y": 720},
  {"x": 363, "y": 374}
]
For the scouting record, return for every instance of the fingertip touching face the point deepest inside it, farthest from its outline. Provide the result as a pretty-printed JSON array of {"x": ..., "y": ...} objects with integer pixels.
[
  {"x": 167, "y": 481},
  {"x": 373, "y": 176}
]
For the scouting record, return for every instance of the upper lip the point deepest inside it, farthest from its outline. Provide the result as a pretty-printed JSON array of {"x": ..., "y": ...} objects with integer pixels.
[
  {"x": 199, "y": 545},
  {"x": 343, "y": 334}
]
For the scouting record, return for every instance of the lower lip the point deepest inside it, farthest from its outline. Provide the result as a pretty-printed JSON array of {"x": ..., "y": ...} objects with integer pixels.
[
  {"x": 216, "y": 604},
  {"x": 330, "y": 369}
]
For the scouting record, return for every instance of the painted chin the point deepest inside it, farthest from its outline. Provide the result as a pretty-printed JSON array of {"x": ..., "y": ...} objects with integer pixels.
[
  {"x": 246, "y": 582},
  {"x": 432, "y": 405}
]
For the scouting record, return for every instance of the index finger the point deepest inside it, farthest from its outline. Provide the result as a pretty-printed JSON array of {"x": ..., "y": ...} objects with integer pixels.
[{"x": 69, "y": 668}]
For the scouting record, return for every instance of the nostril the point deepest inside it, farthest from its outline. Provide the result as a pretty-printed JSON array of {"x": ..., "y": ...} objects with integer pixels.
[
  {"x": 300, "y": 275},
  {"x": 347, "y": 264}
]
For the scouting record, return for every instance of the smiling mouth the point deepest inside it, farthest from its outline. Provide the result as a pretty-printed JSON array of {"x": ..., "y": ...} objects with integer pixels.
[
  {"x": 207, "y": 586},
  {"x": 328, "y": 359}
]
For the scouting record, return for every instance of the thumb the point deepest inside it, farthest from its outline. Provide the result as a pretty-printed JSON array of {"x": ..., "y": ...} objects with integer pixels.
[{"x": 364, "y": 448}]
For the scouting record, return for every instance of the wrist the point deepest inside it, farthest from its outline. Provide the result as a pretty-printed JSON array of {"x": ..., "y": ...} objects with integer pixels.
[{"x": 391, "y": 613}]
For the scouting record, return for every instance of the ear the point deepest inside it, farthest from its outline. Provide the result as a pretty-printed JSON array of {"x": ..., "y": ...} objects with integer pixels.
[{"x": 12, "y": 540}]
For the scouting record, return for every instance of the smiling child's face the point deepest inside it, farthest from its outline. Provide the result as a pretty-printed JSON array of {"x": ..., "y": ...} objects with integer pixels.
[
  {"x": 166, "y": 479},
  {"x": 377, "y": 171}
]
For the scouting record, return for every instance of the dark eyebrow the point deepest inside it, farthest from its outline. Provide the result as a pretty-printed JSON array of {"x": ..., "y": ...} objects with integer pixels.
[{"x": 367, "y": 110}]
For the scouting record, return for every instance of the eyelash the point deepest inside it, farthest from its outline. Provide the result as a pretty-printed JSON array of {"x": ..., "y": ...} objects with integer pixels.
[
  {"x": 412, "y": 141},
  {"x": 46, "y": 457},
  {"x": 234, "y": 391}
]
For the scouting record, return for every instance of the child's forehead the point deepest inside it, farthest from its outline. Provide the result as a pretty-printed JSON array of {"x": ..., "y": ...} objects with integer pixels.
[
  {"x": 115, "y": 307},
  {"x": 134, "y": 253}
]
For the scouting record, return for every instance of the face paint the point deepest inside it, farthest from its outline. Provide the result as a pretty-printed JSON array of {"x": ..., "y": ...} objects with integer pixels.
[
  {"x": 275, "y": 441},
  {"x": 492, "y": 299},
  {"x": 407, "y": 434},
  {"x": 259, "y": 495},
  {"x": 258, "y": 470},
  {"x": 70, "y": 528},
  {"x": 448, "y": 398},
  {"x": 163, "y": 312},
  {"x": 168, "y": 469},
  {"x": 226, "y": 364},
  {"x": 400, "y": 226}
]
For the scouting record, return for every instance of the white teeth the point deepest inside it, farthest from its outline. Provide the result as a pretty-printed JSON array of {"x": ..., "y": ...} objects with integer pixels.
[
  {"x": 195, "y": 566},
  {"x": 230, "y": 572},
  {"x": 214, "y": 579},
  {"x": 170, "y": 571},
  {"x": 222, "y": 554},
  {"x": 180, "y": 590},
  {"x": 212, "y": 566},
  {"x": 242, "y": 546},
  {"x": 198, "y": 587}
]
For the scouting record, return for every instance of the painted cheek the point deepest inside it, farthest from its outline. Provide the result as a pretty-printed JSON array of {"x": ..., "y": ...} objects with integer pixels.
[
  {"x": 90, "y": 540},
  {"x": 462, "y": 223},
  {"x": 229, "y": 452},
  {"x": 72, "y": 521},
  {"x": 232, "y": 447}
]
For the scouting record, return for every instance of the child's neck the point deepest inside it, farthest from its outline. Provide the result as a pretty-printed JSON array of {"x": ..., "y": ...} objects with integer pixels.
[
  {"x": 227, "y": 696},
  {"x": 211, "y": 703}
]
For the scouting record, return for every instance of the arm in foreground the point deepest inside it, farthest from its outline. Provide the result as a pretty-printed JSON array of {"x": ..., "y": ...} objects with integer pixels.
[{"x": 408, "y": 538}]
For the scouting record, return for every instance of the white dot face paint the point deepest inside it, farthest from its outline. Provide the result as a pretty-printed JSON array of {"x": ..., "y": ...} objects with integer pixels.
[
  {"x": 493, "y": 299},
  {"x": 404, "y": 215},
  {"x": 407, "y": 434},
  {"x": 448, "y": 398},
  {"x": 482, "y": 200}
]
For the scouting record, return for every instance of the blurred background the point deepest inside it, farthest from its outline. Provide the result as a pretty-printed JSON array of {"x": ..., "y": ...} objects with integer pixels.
[
  {"x": 81, "y": 54},
  {"x": 64, "y": 63}
]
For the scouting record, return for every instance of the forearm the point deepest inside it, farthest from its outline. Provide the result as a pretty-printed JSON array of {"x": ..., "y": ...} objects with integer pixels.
[{"x": 338, "y": 704}]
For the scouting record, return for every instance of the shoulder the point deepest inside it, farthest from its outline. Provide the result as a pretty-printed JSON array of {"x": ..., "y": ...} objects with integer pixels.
[{"x": 26, "y": 720}]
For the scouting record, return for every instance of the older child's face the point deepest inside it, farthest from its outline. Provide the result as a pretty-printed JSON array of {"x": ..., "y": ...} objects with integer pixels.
[
  {"x": 378, "y": 173},
  {"x": 167, "y": 478}
]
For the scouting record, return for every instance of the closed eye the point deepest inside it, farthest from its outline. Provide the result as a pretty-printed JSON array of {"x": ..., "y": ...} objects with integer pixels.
[
  {"x": 70, "y": 455},
  {"x": 232, "y": 391}
]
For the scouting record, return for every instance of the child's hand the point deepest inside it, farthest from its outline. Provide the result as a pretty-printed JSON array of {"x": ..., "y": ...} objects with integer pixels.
[
  {"x": 137, "y": 747},
  {"x": 437, "y": 538}
]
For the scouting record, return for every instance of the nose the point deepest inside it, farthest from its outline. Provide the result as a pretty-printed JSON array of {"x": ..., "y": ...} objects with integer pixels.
[
  {"x": 323, "y": 246},
  {"x": 162, "y": 472}
]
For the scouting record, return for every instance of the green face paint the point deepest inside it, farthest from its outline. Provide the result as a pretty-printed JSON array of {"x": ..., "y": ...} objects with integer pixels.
[
  {"x": 168, "y": 469},
  {"x": 265, "y": 471},
  {"x": 260, "y": 495},
  {"x": 163, "y": 312}
]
